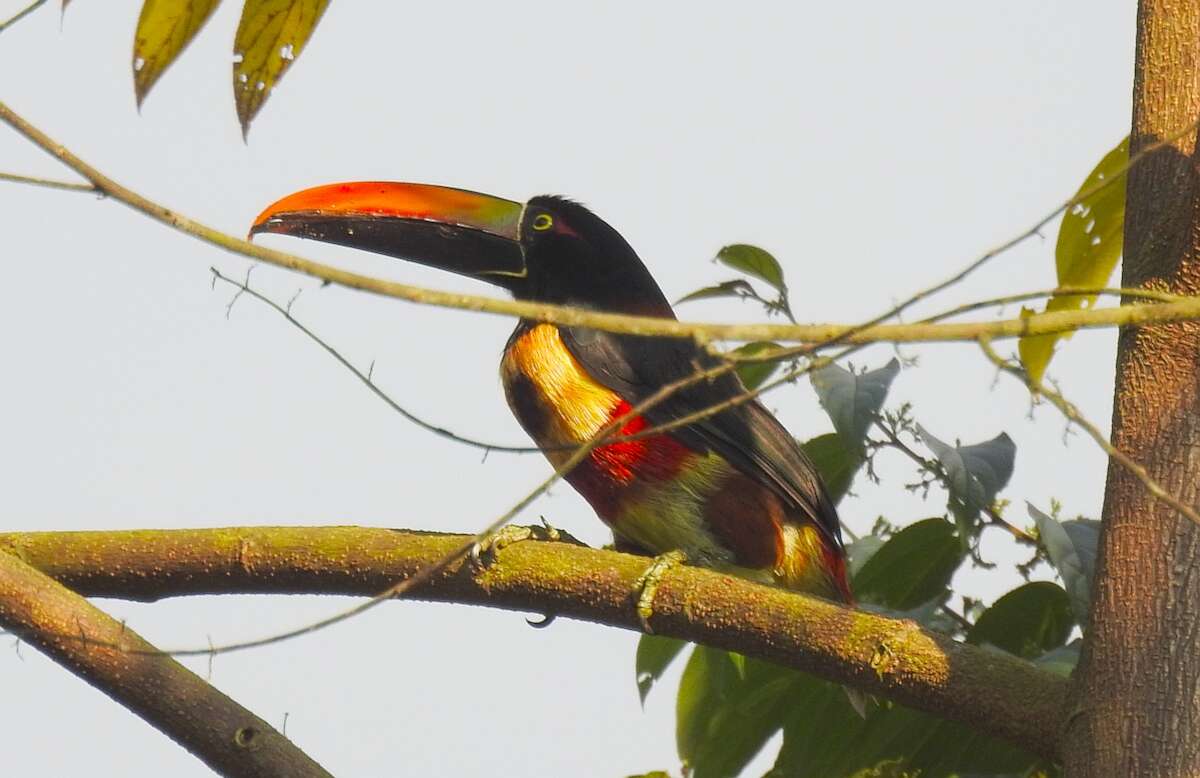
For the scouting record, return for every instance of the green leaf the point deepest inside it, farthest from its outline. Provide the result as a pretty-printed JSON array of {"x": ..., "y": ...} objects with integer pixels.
[
  {"x": 754, "y": 261},
  {"x": 976, "y": 473},
  {"x": 723, "y": 716},
  {"x": 164, "y": 29},
  {"x": 853, "y": 401},
  {"x": 754, "y": 374},
  {"x": 822, "y": 734},
  {"x": 820, "y": 741},
  {"x": 654, "y": 654},
  {"x": 1028, "y": 621},
  {"x": 913, "y": 567},
  {"x": 735, "y": 288},
  {"x": 270, "y": 36},
  {"x": 836, "y": 463},
  {"x": 954, "y": 750},
  {"x": 1089, "y": 245},
  {"x": 1071, "y": 546},
  {"x": 705, "y": 684}
]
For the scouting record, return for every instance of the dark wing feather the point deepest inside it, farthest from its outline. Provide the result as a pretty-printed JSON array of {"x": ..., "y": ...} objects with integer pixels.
[{"x": 747, "y": 435}]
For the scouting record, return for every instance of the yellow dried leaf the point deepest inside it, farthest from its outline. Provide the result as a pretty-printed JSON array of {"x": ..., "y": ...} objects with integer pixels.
[
  {"x": 165, "y": 28},
  {"x": 269, "y": 37},
  {"x": 1035, "y": 350},
  {"x": 1088, "y": 248}
]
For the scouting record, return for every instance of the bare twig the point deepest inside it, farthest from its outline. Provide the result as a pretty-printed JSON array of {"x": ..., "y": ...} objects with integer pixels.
[
  {"x": 939, "y": 472},
  {"x": 366, "y": 378},
  {"x": 1061, "y": 291},
  {"x": 51, "y": 183},
  {"x": 19, "y": 15},
  {"x": 1068, "y": 409},
  {"x": 867, "y": 332}
]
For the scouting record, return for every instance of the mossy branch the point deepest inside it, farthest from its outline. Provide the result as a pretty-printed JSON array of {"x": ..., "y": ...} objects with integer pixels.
[
  {"x": 992, "y": 692},
  {"x": 115, "y": 659}
]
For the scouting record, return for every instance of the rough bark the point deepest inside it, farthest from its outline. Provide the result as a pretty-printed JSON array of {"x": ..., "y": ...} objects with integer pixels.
[
  {"x": 116, "y": 660},
  {"x": 1135, "y": 709},
  {"x": 990, "y": 691}
]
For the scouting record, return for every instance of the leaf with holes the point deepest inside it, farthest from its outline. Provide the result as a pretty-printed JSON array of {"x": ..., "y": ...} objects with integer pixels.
[
  {"x": 164, "y": 29},
  {"x": 851, "y": 400},
  {"x": 270, "y": 35},
  {"x": 655, "y": 653},
  {"x": 1071, "y": 546},
  {"x": 1089, "y": 245},
  {"x": 976, "y": 473},
  {"x": 754, "y": 261}
]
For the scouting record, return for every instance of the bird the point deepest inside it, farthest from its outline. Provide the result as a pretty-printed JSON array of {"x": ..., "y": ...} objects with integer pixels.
[{"x": 732, "y": 490}]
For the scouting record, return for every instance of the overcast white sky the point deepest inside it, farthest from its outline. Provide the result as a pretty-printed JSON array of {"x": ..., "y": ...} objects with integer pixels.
[{"x": 873, "y": 147}]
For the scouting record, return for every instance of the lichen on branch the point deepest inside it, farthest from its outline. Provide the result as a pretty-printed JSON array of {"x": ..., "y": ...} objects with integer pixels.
[{"x": 988, "y": 690}]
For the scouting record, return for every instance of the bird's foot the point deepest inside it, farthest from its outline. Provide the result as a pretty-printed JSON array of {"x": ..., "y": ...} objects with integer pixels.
[
  {"x": 485, "y": 549},
  {"x": 648, "y": 582}
]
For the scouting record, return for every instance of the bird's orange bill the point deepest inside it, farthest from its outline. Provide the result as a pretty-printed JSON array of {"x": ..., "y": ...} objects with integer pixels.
[{"x": 452, "y": 229}]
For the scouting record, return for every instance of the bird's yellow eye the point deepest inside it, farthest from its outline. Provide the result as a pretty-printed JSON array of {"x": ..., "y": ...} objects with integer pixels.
[{"x": 542, "y": 222}]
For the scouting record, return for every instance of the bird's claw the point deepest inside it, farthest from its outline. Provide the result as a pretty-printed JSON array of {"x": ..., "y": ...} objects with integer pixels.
[
  {"x": 485, "y": 549},
  {"x": 648, "y": 582}
]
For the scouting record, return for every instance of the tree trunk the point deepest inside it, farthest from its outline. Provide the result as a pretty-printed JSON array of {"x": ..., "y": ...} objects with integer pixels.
[{"x": 1135, "y": 710}]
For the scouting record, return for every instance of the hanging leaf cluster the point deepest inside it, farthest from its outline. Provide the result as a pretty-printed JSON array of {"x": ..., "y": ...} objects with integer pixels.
[{"x": 269, "y": 37}]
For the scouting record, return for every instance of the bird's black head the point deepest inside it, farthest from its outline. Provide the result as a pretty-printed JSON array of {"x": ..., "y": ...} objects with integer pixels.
[
  {"x": 547, "y": 250},
  {"x": 574, "y": 257}
]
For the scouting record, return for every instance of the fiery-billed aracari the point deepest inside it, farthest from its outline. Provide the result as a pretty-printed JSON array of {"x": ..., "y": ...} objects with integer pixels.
[{"x": 732, "y": 491}]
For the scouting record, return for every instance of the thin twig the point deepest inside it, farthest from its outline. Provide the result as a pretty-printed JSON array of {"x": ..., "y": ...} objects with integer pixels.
[
  {"x": 867, "y": 332},
  {"x": 366, "y": 378},
  {"x": 421, "y": 576},
  {"x": 1061, "y": 291},
  {"x": 19, "y": 15},
  {"x": 50, "y": 183},
  {"x": 931, "y": 466},
  {"x": 1072, "y": 414}
]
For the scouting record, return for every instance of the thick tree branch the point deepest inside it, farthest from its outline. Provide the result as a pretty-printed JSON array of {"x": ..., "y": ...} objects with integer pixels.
[
  {"x": 1037, "y": 324},
  {"x": 104, "y": 652},
  {"x": 993, "y": 692}
]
